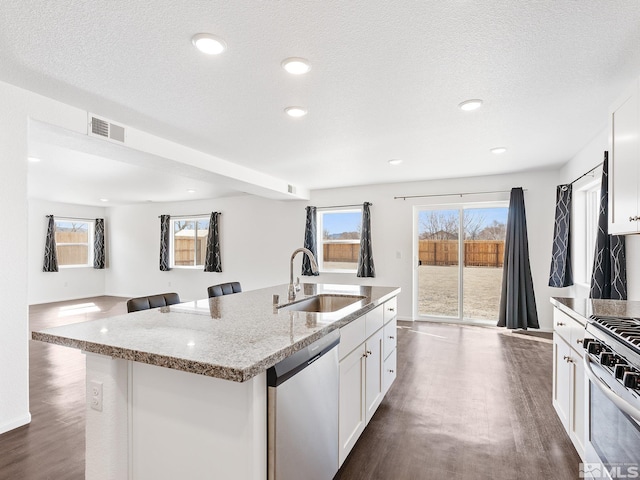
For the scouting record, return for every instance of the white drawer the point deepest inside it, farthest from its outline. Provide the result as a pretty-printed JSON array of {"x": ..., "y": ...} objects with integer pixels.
[
  {"x": 390, "y": 309},
  {"x": 568, "y": 328},
  {"x": 390, "y": 337},
  {"x": 389, "y": 372},
  {"x": 352, "y": 335},
  {"x": 374, "y": 320}
]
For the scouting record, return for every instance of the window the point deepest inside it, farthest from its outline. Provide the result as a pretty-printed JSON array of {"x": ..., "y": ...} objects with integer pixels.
[
  {"x": 189, "y": 241},
  {"x": 339, "y": 240},
  {"x": 584, "y": 229},
  {"x": 73, "y": 238},
  {"x": 591, "y": 223}
]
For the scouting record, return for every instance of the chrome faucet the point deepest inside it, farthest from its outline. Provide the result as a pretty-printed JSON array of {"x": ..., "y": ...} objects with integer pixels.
[{"x": 314, "y": 269}]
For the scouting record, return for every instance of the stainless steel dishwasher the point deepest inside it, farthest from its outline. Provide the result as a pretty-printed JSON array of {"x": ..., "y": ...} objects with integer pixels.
[{"x": 303, "y": 413}]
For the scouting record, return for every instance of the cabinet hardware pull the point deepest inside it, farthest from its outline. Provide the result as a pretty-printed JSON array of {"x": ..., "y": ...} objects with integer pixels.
[
  {"x": 580, "y": 340},
  {"x": 566, "y": 359},
  {"x": 368, "y": 352},
  {"x": 631, "y": 219},
  {"x": 391, "y": 337},
  {"x": 364, "y": 355},
  {"x": 392, "y": 309},
  {"x": 634, "y": 219},
  {"x": 559, "y": 324},
  {"x": 390, "y": 371}
]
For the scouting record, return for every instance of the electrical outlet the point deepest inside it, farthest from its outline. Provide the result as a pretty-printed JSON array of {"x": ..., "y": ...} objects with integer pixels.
[{"x": 95, "y": 389}]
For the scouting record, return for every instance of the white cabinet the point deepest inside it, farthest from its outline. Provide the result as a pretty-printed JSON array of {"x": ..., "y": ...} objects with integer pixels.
[
  {"x": 568, "y": 377},
  {"x": 373, "y": 373},
  {"x": 624, "y": 163},
  {"x": 352, "y": 401},
  {"x": 367, "y": 355}
]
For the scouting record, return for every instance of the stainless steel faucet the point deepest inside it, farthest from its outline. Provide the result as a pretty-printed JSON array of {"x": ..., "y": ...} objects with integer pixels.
[{"x": 314, "y": 269}]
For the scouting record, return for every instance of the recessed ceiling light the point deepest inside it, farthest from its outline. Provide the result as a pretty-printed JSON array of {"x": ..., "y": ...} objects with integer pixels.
[
  {"x": 104, "y": 199},
  {"x": 191, "y": 190},
  {"x": 296, "y": 111},
  {"x": 469, "y": 105},
  {"x": 395, "y": 161},
  {"x": 209, "y": 44},
  {"x": 498, "y": 150},
  {"x": 296, "y": 65},
  {"x": 34, "y": 159}
]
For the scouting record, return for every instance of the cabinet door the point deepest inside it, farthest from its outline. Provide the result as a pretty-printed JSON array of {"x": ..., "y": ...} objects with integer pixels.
[
  {"x": 624, "y": 152},
  {"x": 352, "y": 413},
  {"x": 373, "y": 374},
  {"x": 562, "y": 380}
]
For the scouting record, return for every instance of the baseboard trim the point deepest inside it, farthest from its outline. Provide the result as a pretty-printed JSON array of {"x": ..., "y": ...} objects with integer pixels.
[{"x": 18, "y": 422}]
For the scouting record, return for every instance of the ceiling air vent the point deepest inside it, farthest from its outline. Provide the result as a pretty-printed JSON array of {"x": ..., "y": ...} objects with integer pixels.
[{"x": 105, "y": 129}]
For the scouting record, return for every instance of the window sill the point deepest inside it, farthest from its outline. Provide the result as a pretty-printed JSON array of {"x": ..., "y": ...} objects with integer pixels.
[
  {"x": 339, "y": 271},
  {"x": 72, "y": 267}
]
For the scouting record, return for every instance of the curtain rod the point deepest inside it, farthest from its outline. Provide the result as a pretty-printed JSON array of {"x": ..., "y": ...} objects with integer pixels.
[
  {"x": 584, "y": 174},
  {"x": 452, "y": 194},
  {"x": 192, "y": 215},
  {"x": 73, "y": 218},
  {"x": 342, "y": 206}
]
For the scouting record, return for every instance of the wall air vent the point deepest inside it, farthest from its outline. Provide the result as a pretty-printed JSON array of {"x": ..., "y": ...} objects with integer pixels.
[{"x": 99, "y": 127}]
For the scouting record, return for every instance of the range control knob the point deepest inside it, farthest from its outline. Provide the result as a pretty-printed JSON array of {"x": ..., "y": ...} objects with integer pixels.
[
  {"x": 609, "y": 359},
  {"x": 631, "y": 380},
  {"x": 620, "y": 369},
  {"x": 595, "y": 348}
]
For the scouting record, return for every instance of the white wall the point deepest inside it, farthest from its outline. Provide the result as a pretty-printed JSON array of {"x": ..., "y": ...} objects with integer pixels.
[
  {"x": 67, "y": 283},
  {"x": 392, "y": 227},
  {"x": 591, "y": 155},
  {"x": 17, "y": 107},
  {"x": 257, "y": 238}
]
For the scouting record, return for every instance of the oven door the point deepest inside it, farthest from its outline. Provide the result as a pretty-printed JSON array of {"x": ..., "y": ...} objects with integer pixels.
[{"x": 612, "y": 447}]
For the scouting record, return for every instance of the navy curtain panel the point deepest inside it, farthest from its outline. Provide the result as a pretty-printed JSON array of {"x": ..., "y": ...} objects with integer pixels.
[
  {"x": 560, "y": 274},
  {"x": 365, "y": 258},
  {"x": 165, "y": 225},
  {"x": 609, "y": 276},
  {"x": 213, "y": 261},
  {"x": 517, "y": 300},
  {"x": 50, "y": 255},
  {"x": 310, "y": 241},
  {"x": 98, "y": 244}
]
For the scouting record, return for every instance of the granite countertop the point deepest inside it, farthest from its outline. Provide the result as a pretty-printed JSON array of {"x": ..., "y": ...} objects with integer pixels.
[
  {"x": 585, "y": 307},
  {"x": 233, "y": 337}
]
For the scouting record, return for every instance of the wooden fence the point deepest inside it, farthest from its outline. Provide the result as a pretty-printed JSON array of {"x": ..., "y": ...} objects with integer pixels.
[
  {"x": 183, "y": 250},
  {"x": 75, "y": 253},
  {"x": 477, "y": 253}
]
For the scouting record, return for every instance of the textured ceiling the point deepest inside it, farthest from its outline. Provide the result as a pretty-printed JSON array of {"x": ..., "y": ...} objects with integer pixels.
[{"x": 386, "y": 78}]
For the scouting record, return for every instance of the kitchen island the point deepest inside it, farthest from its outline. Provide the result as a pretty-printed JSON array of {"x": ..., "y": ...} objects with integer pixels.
[{"x": 180, "y": 391}]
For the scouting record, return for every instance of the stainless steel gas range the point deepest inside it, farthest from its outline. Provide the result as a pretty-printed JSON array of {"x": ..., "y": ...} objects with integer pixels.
[{"x": 612, "y": 366}]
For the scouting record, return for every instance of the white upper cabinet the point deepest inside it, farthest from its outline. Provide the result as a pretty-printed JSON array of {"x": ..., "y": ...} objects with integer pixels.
[{"x": 624, "y": 163}]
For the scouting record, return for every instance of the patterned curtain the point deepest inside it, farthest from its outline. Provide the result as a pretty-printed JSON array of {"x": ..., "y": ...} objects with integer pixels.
[
  {"x": 310, "y": 241},
  {"x": 609, "y": 276},
  {"x": 561, "y": 274},
  {"x": 213, "y": 262},
  {"x": 365, "y": 259},
  {"x": 98, "y": 244},
  {"x": 517, "y": 300},
  {"x": 165, "y": 226},
  {"x": 50, "y": 256}
]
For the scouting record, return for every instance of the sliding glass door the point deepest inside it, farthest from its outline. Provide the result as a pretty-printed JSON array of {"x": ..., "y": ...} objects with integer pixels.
[{"x": 460, "y": 254}]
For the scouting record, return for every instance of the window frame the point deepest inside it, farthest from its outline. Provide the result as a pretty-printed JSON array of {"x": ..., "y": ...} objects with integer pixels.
[
  {"x": 321, "y": 241},
  {"x": 172, "y": 229},
  {"x": 91, "y": 226}
]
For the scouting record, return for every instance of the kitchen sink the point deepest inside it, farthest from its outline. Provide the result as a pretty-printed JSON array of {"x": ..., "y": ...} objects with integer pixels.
[{"x": 323, "y": 303}]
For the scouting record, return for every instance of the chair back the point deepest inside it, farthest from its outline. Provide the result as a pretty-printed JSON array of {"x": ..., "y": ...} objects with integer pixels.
[
  {"x": 152, "y": 301},
  {"x": 224, "y": 289}
]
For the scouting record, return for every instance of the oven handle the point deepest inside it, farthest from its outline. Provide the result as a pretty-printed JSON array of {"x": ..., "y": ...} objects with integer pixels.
[{"x": 618, "y": 401}]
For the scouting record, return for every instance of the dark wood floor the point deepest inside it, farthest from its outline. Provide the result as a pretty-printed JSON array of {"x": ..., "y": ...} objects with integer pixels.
[{"x": 468, "y": 403}]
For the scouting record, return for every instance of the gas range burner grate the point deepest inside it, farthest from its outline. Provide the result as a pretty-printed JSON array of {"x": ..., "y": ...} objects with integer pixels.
[{"x": 624, "y": 329}]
